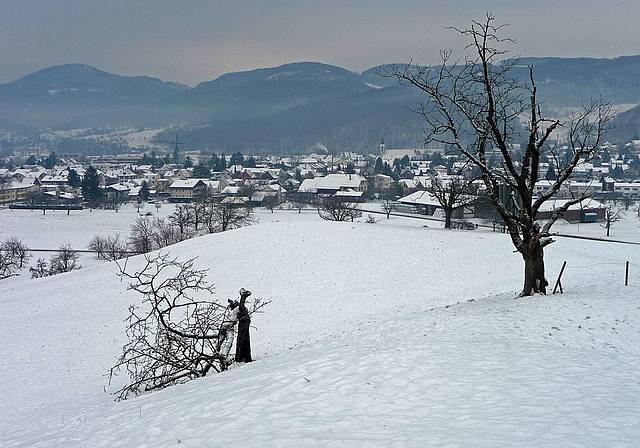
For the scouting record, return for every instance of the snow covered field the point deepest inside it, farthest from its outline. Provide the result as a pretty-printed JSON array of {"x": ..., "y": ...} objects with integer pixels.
[{"x": 388, "y": 334}]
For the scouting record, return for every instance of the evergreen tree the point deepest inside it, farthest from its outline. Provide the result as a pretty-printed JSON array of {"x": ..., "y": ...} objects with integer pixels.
[
  {"x": 437, "y": 159},
  {"x": 214, "y": 163},
  {"x": 50, "y": 162},
  {"x": 91, "y": 185},
  {"x": 250, "y": 162},
  {"x": 237, "y": 159},
  {"x": 201, "y": 171},
  {"x": 73, "y": 179},
  {"x": 144, "y": 192},
  {"x": 379, "y": 167},
  {"x": 551, "y": 173},
  {"x": 350, "y": 169}
]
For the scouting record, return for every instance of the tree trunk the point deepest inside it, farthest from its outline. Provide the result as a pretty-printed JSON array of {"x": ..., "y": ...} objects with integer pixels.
[
  {"x": 534, "y": 279},
  {"x": 447, "y": 217}
]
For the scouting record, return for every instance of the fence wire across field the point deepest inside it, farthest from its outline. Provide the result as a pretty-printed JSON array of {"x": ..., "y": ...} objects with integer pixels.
[{"x": 622, "y": 268}]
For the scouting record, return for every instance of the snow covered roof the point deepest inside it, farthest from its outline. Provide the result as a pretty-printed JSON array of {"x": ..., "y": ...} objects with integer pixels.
[
  {"x": 117, "y": 187},
  {"x": 213, "y": 184},
  {"x": 231, "y": 189},
  {"x": 48, "y": 179},
  {"x": 549, "y": 206},
  {"x": 186, "y": 183},
  {"x": 309, "y": 185},
  {"x": 409, "y": 183},
  {"x": 349, "y": 193},
  {"x": 421, "y": 197},
  {"x": 16, "y": 184},
  {"x": 331, "y": 182}
]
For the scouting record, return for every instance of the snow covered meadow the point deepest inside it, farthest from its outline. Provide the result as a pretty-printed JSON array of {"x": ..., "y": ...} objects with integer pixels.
[{"x": 387, "y": 334}]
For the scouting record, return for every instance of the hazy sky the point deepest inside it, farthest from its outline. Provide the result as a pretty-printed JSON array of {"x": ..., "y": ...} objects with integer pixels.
[{"x": 191, "y": 41}]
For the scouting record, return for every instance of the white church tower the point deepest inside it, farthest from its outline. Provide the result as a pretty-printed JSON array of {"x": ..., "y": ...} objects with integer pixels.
[{"x": 382, "y": 147}]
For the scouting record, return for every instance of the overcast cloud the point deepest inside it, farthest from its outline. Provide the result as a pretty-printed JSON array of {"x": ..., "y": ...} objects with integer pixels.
[{"x": 192, "y": 41}]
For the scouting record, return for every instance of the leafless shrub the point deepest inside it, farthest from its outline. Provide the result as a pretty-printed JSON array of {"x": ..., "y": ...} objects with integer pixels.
[
  {"x": 41, "y": 269},
  {"x": 334, "y": 209},
  {"x": 65, "y": 260},
  {"x": 98, "y": 244}
]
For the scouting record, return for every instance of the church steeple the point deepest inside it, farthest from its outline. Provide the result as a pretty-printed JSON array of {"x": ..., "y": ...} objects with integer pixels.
[{"x": 382, "y": 146}]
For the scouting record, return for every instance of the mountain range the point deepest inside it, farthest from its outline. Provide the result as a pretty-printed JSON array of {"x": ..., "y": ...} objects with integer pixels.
[{"x": 287, "y": 108}]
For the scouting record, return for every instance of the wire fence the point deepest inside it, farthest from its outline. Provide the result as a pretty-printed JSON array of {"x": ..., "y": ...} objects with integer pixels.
[{"x": 623, "y": 268}]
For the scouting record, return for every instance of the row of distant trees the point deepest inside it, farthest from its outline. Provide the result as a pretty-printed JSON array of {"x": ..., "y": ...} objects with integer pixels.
[{"x": 210, "y": 215}]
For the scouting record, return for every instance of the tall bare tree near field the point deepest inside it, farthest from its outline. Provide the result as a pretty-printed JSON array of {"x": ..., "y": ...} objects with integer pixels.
[
  {"x": 478, "y": 106},
  {"x": 450, "y": 193}
]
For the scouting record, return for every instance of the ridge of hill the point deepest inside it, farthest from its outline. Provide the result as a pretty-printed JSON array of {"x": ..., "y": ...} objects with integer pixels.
[{"x": 286, "y": 108}]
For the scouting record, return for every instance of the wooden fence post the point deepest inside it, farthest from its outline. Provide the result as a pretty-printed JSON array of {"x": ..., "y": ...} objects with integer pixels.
[
  {"x": 626, "y": 275},
  {"x": 558, "y": 284}
]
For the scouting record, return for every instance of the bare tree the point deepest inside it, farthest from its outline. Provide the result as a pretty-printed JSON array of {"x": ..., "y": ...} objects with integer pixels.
[
  {"x": 139, "y": 205},
  {"x": 209, "y": 215},
  {"x": 182, "y": 218},
  {"x": 8, "y": 264},
  {"x": 141, "y": 237},
  {"x": 299, "y": 201},
  {"x": 173, "y": 336},
  {"x": 270, "y": 202},
  {"x": 228, "y": 216},
  {"x": 613, "y": 212},
  {"x": 17, "y": 250},
  {"x": 165, "y": 234},
  {"x": 451, "y": 193},
  {"x": 197, "y": 212},
  {"x": 65, "y": 260},
  {"x": 98, "y": 244},
  {"x": 116, "y": 248},
  {"x": 335, "y": 209},
  {"x": 479, "y": 105},
  {"x": 387, "y": 206}
]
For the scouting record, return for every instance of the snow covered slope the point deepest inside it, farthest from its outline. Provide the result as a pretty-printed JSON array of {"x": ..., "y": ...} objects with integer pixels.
[{"x": 377, "y": 335}]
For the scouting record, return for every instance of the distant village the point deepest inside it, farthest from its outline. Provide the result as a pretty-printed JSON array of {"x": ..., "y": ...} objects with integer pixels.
[{"x": 400, "y": 177}]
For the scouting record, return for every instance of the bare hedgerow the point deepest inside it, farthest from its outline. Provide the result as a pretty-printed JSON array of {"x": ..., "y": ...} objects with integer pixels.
[{"x": 174, "y": 335}]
